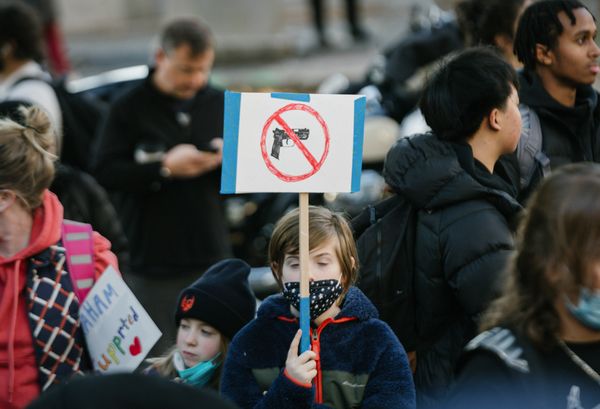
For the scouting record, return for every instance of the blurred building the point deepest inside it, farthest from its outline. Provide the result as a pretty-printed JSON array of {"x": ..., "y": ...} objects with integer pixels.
[
  {"x": 246, "y": 26},
  {"x": 102, "y": 35}
]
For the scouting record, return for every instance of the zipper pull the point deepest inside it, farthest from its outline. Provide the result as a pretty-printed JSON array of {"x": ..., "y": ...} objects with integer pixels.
[{"x": 315, "y": 344}]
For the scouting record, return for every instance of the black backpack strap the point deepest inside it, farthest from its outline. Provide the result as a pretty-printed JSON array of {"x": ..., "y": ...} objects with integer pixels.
[
  {"x": 529, "y": 150},
  {"x": 502, "y": 343},
  {"x": 25, "y": 79},
  {"x": 384, "y": 235},
  {"x": 368, "y": 216}
]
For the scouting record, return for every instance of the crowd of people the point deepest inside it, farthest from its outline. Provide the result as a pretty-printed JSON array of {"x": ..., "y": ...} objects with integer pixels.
[{"x": 505, "y": 189}]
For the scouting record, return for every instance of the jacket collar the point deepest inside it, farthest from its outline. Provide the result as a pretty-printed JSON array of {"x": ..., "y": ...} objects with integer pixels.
[
  {"x": 174, "y": 103},
  {"x": 430, "y": 174},
  {"x": 533, "y": 93}
]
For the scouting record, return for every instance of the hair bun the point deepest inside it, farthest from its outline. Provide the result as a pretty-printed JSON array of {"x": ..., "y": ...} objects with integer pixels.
[
  {"x": 38, "y": 129},
  {"x": 35, "y": 118},
  {"x": 26, "y": 160}
]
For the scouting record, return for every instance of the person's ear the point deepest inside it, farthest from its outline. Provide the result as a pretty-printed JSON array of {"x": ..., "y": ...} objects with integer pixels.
[
  {"x": 494, "y": 119},
  {"x": 7, "y": 198},
  {"x": 543, "y": 55},
  {"x": 159, "y": 56},
  {"x": 504, "y": 43}
]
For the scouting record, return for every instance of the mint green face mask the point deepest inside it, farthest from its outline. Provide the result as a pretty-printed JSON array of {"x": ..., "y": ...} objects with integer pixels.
[
  {"x": 587, "y": 310},
  {"x": 199, "y": 374}
]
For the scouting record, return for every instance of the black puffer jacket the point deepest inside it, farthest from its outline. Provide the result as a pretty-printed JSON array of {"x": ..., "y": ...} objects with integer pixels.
[
  {"x": 463, "y": 241},
  {"x": 569, "y": 134},
  {"x": 84, "y": 200}
]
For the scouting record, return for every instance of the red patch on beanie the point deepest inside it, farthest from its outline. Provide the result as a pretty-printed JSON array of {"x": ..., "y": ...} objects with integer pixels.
[{"x": 187, "y": 303}]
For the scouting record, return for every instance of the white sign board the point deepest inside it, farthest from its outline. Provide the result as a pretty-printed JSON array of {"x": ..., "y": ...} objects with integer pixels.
[
  {"x": 282, "y": 142},
  {"x": 119, "y": 333}
]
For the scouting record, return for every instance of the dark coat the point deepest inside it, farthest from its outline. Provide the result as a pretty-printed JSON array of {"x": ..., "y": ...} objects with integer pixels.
[
  {"x": 463, "y": 241},
  {"x": 360, "y": 361},
  {"x": 174, "y": 225},
  {"x": 84, "y": 200},
  {"x": 128, "y": 391},
  {"x": 569, "y": 134},
  {"x": 503, "y": 369}
]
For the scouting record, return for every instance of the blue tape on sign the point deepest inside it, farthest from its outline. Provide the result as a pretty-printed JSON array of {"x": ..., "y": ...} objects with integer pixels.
[
  {"x": 291, "y": 96},
  {"x": 231, "y": 131},
  {"x": 359, "y": 133},
  {"x": 305, "y": 323}
]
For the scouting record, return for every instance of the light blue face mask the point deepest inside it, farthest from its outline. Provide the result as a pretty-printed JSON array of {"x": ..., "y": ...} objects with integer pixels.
[
  {"x": 587, "y": 310},
  {"x": 199, "y": 374}
]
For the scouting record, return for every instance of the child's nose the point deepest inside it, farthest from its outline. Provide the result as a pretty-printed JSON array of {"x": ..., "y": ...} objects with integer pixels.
[{"x": 190, "y": 338}]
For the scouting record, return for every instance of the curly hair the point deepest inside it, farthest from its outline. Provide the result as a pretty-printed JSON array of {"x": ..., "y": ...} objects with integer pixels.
[{"x": 540, "y": 24}]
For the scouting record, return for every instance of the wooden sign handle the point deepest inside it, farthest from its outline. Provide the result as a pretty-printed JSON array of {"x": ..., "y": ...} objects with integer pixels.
[{"x": 304, "y": 275}]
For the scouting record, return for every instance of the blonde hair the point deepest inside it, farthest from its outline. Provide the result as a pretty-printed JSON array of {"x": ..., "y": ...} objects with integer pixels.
[
  {"x": 323, "y": 224},
  {"x": 26, "y": 161},
  {"x": 165, "y": 366}
]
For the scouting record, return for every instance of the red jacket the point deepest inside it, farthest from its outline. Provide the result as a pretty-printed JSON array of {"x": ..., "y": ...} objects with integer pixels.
[{"x": 18, "y": 368}]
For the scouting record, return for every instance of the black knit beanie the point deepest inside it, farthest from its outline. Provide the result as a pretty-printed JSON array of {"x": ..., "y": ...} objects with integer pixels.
[{"x": 221, "y": 297}]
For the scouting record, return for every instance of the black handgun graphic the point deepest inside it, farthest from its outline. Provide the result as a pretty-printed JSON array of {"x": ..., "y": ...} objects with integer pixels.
[{"x": 282, "y": 139}]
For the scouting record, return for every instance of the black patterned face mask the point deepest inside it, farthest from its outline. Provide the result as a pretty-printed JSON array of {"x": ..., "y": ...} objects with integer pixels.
[{"x": 323, "y": 293}]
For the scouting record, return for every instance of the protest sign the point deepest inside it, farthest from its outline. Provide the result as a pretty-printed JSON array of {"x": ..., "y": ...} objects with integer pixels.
[
  {"x": 119, "y": 333},
  {"x": 282, "y": 142},
  {"x": 292, "y": 142}
]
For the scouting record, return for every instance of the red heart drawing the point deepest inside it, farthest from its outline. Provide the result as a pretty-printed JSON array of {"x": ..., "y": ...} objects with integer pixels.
[{"x": 136, "y": 347}]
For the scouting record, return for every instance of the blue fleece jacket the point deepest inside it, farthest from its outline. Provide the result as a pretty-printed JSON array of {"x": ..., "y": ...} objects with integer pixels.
[{"x": 360, "y": 362}]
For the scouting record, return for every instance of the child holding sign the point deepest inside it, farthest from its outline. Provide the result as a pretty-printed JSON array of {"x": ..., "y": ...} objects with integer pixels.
[
  {"x": 355, "y": 359},
  {"x": 209, "y": 313}
]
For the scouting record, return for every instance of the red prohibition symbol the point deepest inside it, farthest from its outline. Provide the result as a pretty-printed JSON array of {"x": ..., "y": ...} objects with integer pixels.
[{"x": 314, "y": 163}]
